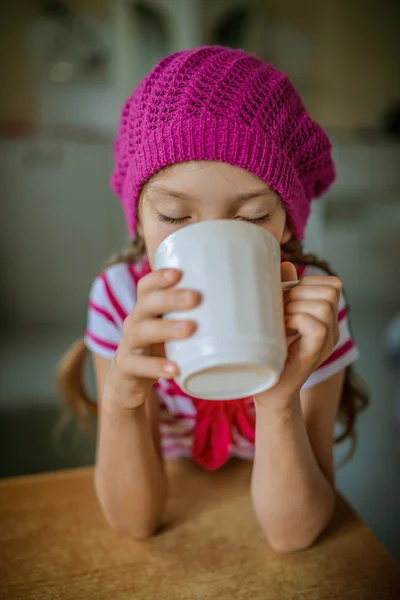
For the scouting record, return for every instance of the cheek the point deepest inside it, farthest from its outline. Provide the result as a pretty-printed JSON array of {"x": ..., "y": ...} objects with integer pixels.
[
  {"x": 151, "y": 230},
  {"x": 154, "y": 233},
  {"x": 277, "y": 226},
  {"x": 153, "y": 239}
]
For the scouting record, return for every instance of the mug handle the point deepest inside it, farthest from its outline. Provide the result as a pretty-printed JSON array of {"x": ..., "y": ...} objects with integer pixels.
[{"x": 288, "y": 285}]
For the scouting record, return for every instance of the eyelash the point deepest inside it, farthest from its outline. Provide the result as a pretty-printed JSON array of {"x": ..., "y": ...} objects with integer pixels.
[
  {"x": 170, "y": 220},
  {"x": 259, "y": 221},
  {"x": 181, "y": 220}
]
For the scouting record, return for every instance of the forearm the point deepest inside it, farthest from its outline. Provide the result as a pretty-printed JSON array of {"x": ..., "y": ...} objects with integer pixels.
[
  {"x": 130, "y": 481},
  {"x": 292, "y": 497}
]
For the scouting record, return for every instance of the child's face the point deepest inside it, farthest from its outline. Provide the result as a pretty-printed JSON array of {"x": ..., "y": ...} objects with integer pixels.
[{"x": 202, "y": 191}]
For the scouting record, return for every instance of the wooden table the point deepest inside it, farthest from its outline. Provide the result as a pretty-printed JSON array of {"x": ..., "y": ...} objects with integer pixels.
[{"x": 54, "y": 544}]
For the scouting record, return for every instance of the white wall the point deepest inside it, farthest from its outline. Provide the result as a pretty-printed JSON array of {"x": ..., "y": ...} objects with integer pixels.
[
  {"x": 362, "y": 221},
  {"x": 59, "y": 223}
]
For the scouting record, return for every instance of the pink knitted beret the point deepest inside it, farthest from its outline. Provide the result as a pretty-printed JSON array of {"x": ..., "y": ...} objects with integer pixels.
[{"x": 214, "y": 103}]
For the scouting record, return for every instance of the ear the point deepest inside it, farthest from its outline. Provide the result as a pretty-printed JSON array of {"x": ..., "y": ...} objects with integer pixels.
[{"x": 287, "y": 234}]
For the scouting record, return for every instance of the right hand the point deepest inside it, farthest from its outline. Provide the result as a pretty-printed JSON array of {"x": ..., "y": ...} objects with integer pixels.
[{"x": 140, "y": 358}]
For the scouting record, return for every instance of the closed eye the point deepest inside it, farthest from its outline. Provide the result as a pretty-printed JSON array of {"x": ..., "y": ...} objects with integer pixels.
[
  {"x": 259, "y": 220},
  {"x": 171, "y": 220},
  {"x": 181, "y": 220}
]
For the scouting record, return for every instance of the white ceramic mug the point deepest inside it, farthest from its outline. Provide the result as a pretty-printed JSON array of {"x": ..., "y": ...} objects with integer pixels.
[{"x": 239, "y": 347}]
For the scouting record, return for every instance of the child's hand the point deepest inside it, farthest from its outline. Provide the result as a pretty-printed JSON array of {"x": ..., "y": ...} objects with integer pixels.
[
  {"x": 140, "y": 359},
  {"x": 312, "y": 329}
]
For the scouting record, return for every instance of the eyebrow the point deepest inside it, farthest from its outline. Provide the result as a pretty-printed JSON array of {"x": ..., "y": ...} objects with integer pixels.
[{"x": 242, "y": 197}]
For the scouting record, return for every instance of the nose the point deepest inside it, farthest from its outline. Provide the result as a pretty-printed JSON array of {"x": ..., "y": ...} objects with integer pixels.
[{"x": 216, "y": 217}]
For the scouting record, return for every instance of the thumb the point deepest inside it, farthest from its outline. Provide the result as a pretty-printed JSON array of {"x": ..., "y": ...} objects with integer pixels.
[{"x": 288, "y": 272}]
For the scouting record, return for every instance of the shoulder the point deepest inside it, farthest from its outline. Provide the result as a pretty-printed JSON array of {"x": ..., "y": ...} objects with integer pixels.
[
  {"x": 116, "y": 287},
  {"x": 112, "y": 298}
]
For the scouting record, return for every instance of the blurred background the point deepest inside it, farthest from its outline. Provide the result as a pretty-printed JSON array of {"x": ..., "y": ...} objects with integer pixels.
[{"x": 65, "y": 68}]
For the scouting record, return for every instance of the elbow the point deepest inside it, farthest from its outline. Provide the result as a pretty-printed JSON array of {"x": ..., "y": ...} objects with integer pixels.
[
  {"x": 132, "y": 526},
  {"x": 300, "y": 537},
  {"x": 135, "y": 524}
]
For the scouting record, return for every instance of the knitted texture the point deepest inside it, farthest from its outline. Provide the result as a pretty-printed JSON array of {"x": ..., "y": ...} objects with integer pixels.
[{"x": 214, "y": 103}]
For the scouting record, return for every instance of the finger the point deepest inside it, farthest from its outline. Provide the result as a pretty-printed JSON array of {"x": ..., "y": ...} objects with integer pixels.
[
  {"x": 158, "y": 280},
  {"x": 160, "y": 302},
  {"x": 137, "y": 365},
  {"x": 157, "y": 331},
  {"x": 288, "y": 272},
  {"x": 314, "y": 333},
  {"x": 314, "y": 292},
  {"x": 309, "y": 293},
  {"x": 323, "y": 280},
  {"x": 319, "y": 309}
]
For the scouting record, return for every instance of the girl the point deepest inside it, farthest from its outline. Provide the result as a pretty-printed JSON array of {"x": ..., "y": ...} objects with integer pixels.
[{"x": 213, "y": 133}]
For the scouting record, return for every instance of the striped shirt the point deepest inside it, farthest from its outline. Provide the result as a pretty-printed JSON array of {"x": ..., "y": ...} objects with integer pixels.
[{"x": 113, "y": 297}]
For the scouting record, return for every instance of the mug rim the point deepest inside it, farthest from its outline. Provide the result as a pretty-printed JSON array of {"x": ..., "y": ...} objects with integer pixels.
[{"x": 215, "y": 223}]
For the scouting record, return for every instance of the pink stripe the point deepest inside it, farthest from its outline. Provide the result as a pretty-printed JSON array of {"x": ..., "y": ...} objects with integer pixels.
[
  {"x": 133, "y": 274},
  {"x": 100, "y": 342},
  {"x": 168, "y": 419},
  {"x": 300, "y": 270},
  {"x": 347, "y": 346},
  {"x": 138, "y": 270},
  {"x": 117, "y": 307},
  {"x": 165, "y": 413},
  {"x": 175, "y": 437},
  {"x": 101, "y": 311},
  {"x": 180, "y": 416},
  {"x": 342, "y": 314}
]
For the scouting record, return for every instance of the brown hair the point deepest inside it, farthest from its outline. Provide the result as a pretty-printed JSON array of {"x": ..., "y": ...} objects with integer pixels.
[{"x": 70, "y": 380}]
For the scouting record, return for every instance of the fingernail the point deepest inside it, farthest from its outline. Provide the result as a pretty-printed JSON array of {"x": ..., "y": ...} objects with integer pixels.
[
  {"x": 170, "y": 369},
  {"x": 188, "y": 297},
  {"x": 182, "y": 325},
  {"x": 169, "y": 274}
]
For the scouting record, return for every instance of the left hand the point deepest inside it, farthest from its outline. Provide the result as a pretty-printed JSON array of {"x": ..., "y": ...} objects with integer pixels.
[{"x": 312, "y": 329}]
